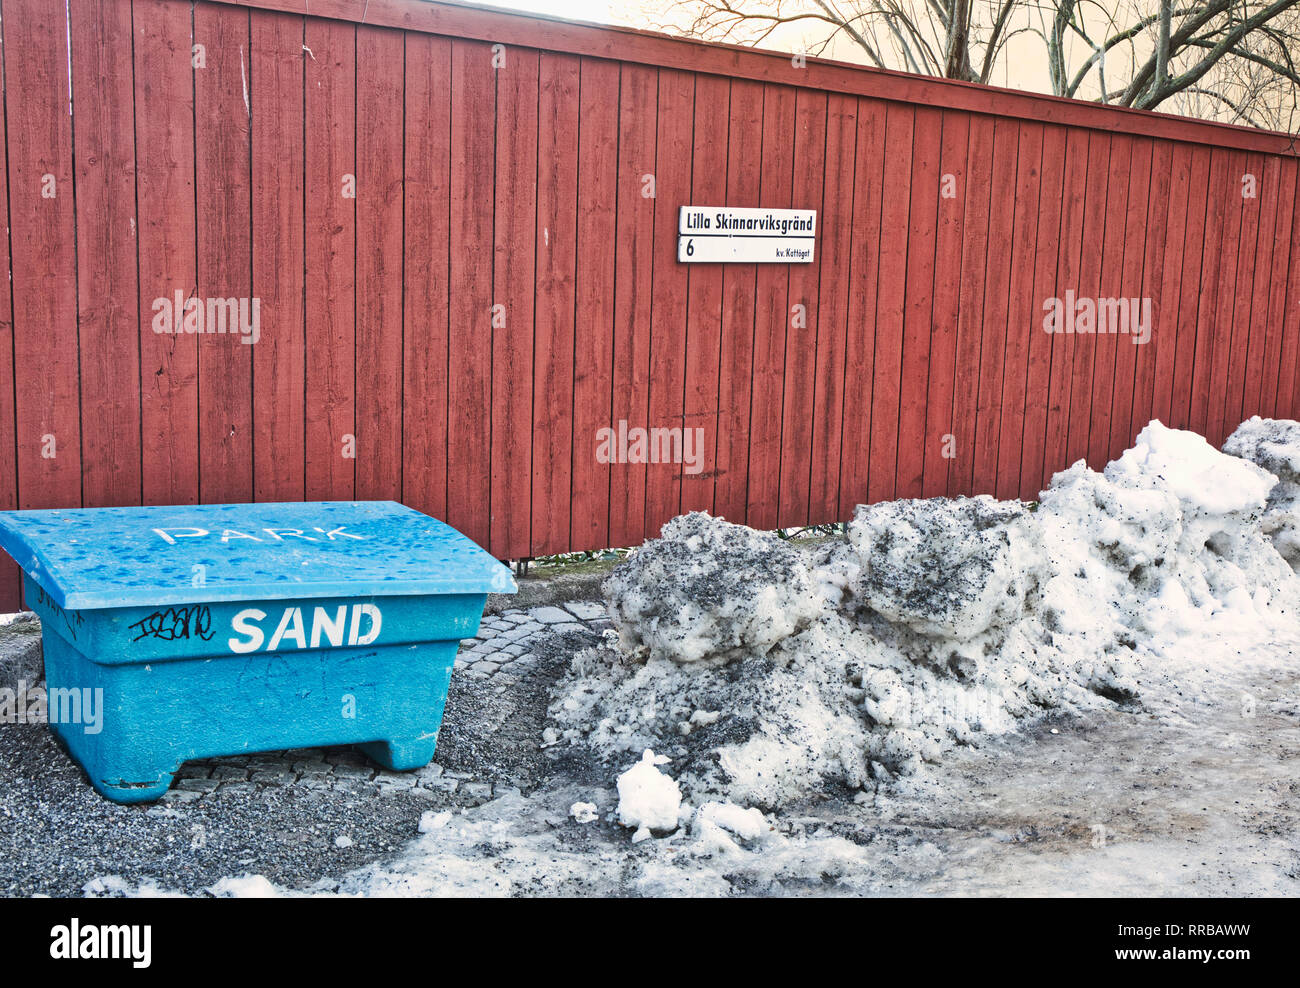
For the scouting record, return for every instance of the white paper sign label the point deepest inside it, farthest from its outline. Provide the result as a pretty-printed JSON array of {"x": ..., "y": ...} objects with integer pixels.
[{"x": 744, "y": 235}]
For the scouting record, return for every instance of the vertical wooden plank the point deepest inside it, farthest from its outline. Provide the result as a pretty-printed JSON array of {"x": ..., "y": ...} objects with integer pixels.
[
  {"x": 1039, "y": 378},
  {"x": 918, "y": 306},
  {"x": 107, "y": 287},
  {"x": 1167, "y": 331},
  {"x": 668, "y": 315},
  {"x": 1126, "y": 349},
  {"x": 276, "y": 95},
  {"x": 1208, "y": 289},
  {"x": 950, "y": 217},
  {"x": 164, "y": 132},
  {"x": 1235, "y": 229},
  {"x": 1263, "y": 263},
  {"x": 704, "y": 307},
  {"x": 554, "y": 450},
  {"x": 1190, "y": 262},
  {"x": 993, "y": 337},
  {"x": 1155, "y": 276},
  {"x": 1089, "y": 282},
  {"x": 224, "y": 269},
  {"x": 513, "y": 273},
  {"x": 836, "y": 246},
  {"x": 469, "y": 287},
  {"x": 1023, "y": 325},
  {"x": 1056, "y": 453},
  {"x": 44, "y": 263},
  {"x": 1105, "y": 345},
  {"x": 1288, "y": 385},
  {"x": 10, "y": 575},
  {"x": 891, "y": 294},
  {"x": 635, "y": 253},
  {"x": 1240, "y": 293},
  {"x": 771, "y": 318},
  {"x": 330, "y": 245},
  {"x": 970, "y": 303},
  {"x": 593, "y": 351},
  {"x": 1284, "y": 256},
  {"x": 864, "y": 270},
  {"x": 736, "y": 359},
  {"x": 1173, "y": 202},
  {"x": 379, "y": 330},
  {"x": 426, "y": 351},
  {"x": 802, "y": 319}
]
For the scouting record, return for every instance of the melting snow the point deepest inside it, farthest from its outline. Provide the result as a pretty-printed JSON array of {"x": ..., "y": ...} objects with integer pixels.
[
  {"x": 648, "y": 800},
  {"x": 1275, "y": 445},
  {"x": 933, "y": 624}
]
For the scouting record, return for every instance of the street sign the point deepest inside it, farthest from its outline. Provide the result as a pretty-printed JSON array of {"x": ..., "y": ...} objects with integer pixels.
[{"x": 744, "y": 235}]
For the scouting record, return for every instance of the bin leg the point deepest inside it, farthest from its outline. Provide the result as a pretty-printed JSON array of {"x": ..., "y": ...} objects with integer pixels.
[
  {"x": 402, "y": 755},
  {"x": 124, "y": 790},
  {"x": 134, "y": 775}
]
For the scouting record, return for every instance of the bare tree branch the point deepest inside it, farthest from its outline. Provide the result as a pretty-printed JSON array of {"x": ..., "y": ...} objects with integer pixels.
[
  {"x": 1162, "y": 89},
  {"x": 1222, "y": 58}
]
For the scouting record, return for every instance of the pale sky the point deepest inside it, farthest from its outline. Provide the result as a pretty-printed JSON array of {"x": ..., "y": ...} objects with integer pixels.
[
  {"x": 1022, "y": 64},
  {"x": 1017, "y": 68},
  {"x": 597, "y": 11}
]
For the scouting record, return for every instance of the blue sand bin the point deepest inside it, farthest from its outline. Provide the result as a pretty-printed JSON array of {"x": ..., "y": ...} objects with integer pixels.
[{"x": 174, "y": 633}]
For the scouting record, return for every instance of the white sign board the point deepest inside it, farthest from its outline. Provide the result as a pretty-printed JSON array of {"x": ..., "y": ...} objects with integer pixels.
[{"x": 739, "y": 234}]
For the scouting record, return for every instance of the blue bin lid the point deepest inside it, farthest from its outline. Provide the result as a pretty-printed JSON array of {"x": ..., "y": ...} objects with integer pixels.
[{"x": 121, "y": 557}]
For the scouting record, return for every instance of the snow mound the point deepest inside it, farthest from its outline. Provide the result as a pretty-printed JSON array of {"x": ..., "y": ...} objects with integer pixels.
[
  {"x": 707, "y": 589},
  {"x": 747, "y": 824},
  {"x": 933, "y": 623},
  {"x": 431, "y": 821},
  {"x": 245, "y": 887},
  {"x": 648, "y": 799},
  {"x": 953, "y": 571},
  {"x": 1274, "y": 445},
  {"x": 1183, "y": 463}
]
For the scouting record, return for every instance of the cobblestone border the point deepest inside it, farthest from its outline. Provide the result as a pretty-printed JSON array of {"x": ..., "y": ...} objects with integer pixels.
[
  {"x": 342, "y": 770},
  {"x": 503, "y": 639}
]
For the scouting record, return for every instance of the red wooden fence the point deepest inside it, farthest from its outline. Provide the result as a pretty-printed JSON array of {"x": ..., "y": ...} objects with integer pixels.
[{"x": 503, "y": 284}]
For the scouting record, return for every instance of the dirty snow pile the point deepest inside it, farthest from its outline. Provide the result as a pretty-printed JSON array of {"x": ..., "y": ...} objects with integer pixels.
[
  {"x": 754, "y": 591},
  {"x": 761, "y": 672},
  {"x": 1274, "y": 444}
]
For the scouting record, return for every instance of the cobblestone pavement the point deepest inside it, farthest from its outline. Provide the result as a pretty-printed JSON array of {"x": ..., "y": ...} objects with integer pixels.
[
  {"x": 295, "y": 816},
  {"x": 503, "y": 641}
]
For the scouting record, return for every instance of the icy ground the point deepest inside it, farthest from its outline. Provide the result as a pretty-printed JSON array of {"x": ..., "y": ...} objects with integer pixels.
[
  {"x": 1187, "y": 798},
  {"x": 1098, "y": 693}
]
